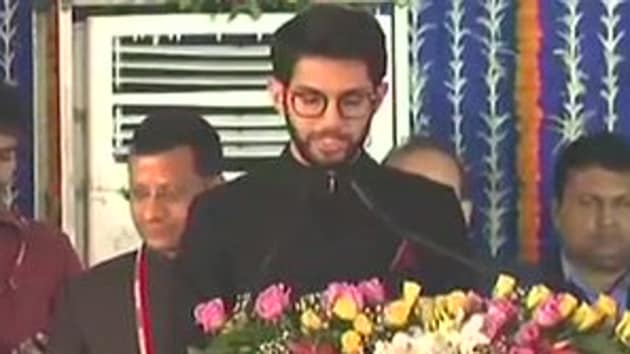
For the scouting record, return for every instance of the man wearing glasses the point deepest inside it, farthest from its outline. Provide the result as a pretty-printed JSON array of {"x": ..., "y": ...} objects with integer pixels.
[
  {"x": 35, "y": 258},
  {"x": 309, "y": 217}
]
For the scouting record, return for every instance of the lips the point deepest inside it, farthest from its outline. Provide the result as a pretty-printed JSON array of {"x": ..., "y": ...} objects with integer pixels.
[{"x": 332, "y": 145}]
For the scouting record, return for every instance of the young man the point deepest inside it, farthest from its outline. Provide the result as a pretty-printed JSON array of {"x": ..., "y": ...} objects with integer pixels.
[
  {"x": 175, "y": 155},
  {"x": 591, "y": 211},
  {"x": 315, "y": 214},
  {"x": 35, "y": 258}
]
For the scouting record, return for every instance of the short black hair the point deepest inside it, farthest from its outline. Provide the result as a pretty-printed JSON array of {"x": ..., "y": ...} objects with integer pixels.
[
  {"x": 606, "y": 150},
  {"x": 12, "y": 114},
  {"x": 167, "y": 129},
  {"x": 330, "y": 31},
  {"x": 421, "y": 142}
]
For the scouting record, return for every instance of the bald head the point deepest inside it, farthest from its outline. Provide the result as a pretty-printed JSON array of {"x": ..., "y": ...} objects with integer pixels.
[{"x": 432, "y": 164}]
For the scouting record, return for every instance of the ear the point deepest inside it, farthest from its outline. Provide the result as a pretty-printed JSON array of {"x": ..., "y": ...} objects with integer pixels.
[
  {"x": 277, "y": 91},
  {"x": 213, "y": 181},
  {"x": 555, "y": 211},
  {"x": 381, "y": 91},
  {"x": 467, "y": 208}
]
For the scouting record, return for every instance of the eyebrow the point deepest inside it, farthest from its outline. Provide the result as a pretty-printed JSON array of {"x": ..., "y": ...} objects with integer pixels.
[{"x": 310, "y": 89}]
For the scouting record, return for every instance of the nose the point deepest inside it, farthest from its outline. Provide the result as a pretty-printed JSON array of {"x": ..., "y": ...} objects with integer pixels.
[
  {"x": 606, "y": 215},
  {"x": 332, "y": 117},
  {"x": 154, "y": 210}
]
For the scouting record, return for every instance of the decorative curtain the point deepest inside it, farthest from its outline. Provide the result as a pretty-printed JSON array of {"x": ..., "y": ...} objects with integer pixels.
[
  {"x": 16, "y": 68},
  {"x": 508, "y": 83}
]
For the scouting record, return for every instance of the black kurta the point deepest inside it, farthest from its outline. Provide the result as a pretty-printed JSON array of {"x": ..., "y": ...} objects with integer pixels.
[{"x": 307, "y": 227}]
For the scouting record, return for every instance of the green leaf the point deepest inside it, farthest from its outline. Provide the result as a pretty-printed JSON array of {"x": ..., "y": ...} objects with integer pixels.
[{"x": 597, "y": 342}]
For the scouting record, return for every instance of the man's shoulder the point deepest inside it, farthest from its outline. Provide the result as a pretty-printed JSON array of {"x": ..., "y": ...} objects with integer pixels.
[
  {"x": 113, "y": 272},
  {"x": 253, "y": 185},
  {"x": 415, "y": 190}
]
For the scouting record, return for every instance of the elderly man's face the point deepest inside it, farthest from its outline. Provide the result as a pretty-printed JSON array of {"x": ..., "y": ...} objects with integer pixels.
[
  {"x": 593, "y": 218},
  {"x": 163, "y": 185}
]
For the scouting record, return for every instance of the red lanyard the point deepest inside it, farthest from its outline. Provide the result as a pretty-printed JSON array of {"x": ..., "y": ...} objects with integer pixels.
[{"x": 141, "y": 302}]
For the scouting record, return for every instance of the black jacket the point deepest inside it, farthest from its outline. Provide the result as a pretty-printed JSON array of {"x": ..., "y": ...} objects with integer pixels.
[
  {"x": 302, "y": 226},
  {"x": 96, "y": 314}
]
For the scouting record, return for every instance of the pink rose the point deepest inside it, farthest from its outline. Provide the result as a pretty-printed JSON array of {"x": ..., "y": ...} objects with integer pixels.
[
  {"x": 338, "y": 290},
  {"x": 373, "y": 291},
  {"x": 211, "y": 315},
  {"x": 522, "y": 350},
  {"x": 528, "y": 334},
  {"x": 549, "y": 313},
  {"x": 272, "y": 302},
  {"x": 500, "y": 313}
]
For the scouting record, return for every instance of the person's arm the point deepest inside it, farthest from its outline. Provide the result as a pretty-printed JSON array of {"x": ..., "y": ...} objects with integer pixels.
[{"x": 66, "y": 336}]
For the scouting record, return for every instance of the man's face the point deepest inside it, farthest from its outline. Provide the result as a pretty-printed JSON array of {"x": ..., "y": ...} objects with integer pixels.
[
  {"x": 329, "y": 105},
  {"x": 8, "y": 159},
  {"x": 163, "y": 186},
  {"x": 593, "y": 218}
]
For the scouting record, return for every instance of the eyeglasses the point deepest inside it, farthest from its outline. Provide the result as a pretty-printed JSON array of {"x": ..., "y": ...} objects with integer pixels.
[{"x": 313, "y": 104}]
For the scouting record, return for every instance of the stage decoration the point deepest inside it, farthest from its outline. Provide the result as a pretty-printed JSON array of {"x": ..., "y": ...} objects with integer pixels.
[
  {"x": 571, "y": 124},
  {"x": 457, "y": 81},
  {"x": 610, "y": 40},
  {"x": 530, "y": 116},
  {"x": 496, "y": 187},
  {"x": 420, "y": 122},
  {"x": 356, "y": 318}
]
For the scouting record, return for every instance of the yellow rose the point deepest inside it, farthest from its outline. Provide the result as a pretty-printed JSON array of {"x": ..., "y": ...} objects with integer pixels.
[
  {"x": 580, "y": 313},
  {"x": 363, "y": 325},
  {"x": 504, "y": 286},
  {"x": 623, "y": 328},
  {"x": 607, "y": 305},
  {"x": 396, "y": 313},
  {"x": 568, "y": 303},
  {"x": 588, "y": 319},
  {"x": 456, "y": 301},
  {"x": 310, "y": 320},
  {"x": 351, "y": 342},
  {"x": 537, "y": 295},
  {"x": 411, "y": 291},
  {"x": 345, "y": 308}
]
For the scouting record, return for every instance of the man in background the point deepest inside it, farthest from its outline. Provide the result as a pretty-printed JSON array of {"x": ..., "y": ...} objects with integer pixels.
[
  {"x": 35, "y": 258},
  {"x": 175, "y": 155},
  {"x": 591, "y": 211},
  {"x": 425, "y": 157}
]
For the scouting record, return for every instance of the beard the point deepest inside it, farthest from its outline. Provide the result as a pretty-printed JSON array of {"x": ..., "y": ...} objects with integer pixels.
[{"x": 307, "y": 146}]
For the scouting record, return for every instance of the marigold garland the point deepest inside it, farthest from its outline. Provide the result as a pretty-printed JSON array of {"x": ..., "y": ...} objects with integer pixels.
[{"x": 530, "y": 115}]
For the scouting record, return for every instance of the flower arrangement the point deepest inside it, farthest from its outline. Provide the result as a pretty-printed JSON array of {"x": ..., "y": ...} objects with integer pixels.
[{"x": 357, "y": 318}]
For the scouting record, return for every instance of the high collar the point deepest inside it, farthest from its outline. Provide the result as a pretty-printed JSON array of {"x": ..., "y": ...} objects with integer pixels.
[{"x": 360, "y": 165}]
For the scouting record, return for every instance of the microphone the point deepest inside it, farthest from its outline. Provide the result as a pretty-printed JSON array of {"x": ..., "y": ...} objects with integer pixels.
[{"x": 426, "y": 242}]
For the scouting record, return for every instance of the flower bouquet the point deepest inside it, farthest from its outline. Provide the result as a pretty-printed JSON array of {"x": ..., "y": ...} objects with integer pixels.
[{"x": 357, "y": 318}]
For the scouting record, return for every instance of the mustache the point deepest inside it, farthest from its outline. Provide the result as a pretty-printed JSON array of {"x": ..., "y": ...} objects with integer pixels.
[{"x": 331, "y": 134}]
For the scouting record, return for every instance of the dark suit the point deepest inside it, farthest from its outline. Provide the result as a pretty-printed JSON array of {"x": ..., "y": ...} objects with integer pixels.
[
  {"x": 285, "y": 222},
  {"x": 96, "y": 314}
]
